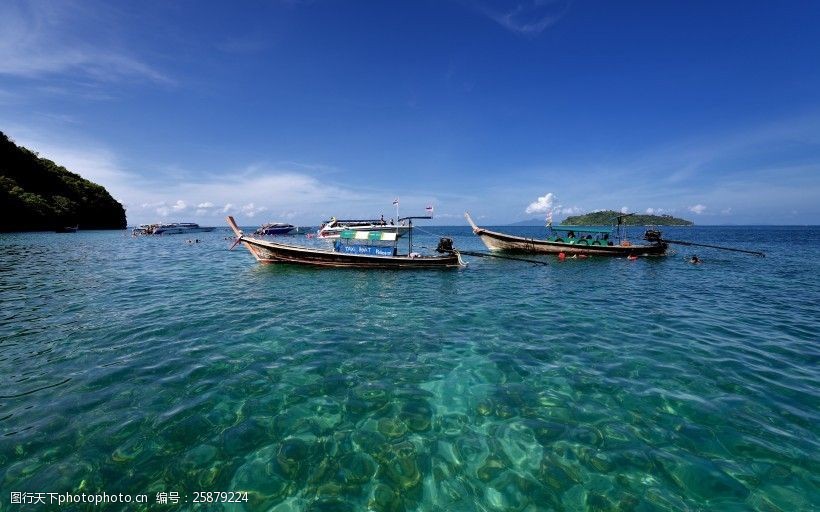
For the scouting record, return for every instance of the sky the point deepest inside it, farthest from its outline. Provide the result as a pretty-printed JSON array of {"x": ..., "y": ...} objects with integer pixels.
[{"x": 288, "y": 110}]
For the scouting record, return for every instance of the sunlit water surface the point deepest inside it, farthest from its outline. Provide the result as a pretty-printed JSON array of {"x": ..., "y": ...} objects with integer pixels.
[{"x": 146, "y": 365}]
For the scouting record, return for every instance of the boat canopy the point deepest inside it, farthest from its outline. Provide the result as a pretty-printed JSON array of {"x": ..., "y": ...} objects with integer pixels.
[
  {"x": 354, "y": 221},
  {"x": 581, "y": 229}
]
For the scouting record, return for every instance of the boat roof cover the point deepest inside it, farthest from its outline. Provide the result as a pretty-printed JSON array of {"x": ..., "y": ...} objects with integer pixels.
[{"x": 581, "y": 229}]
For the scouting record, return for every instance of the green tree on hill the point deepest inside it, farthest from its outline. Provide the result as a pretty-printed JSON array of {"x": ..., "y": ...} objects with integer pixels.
[
  {"x": 607, "y": 218},
  {"x": 37, "y": 194}
]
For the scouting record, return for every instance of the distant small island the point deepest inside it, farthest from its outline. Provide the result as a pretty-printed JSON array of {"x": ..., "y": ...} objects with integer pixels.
[
  {"x": 38, "y": 195},
  {"x": 607, "y": 218}
]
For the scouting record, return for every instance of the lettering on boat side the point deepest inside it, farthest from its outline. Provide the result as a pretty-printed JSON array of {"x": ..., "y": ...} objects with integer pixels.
[{"x": 365, "y": 249}]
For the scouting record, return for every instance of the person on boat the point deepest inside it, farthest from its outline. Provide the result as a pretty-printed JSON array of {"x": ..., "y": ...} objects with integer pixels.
[
  {"x": 694, "y": 260},
  {"x": 383, "y": 222},
  {"x": 571, "y": 234}
]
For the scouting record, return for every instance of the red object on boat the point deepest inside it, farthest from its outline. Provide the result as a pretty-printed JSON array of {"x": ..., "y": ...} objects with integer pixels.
[
  {"x": 561, "y": 256},
  {"x": 632, "y": 257}
]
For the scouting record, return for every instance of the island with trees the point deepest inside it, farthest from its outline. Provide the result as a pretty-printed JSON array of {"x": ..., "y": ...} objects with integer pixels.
[
  {"x": 607, "y": 218},
  {"x": 36, "y": 194}
]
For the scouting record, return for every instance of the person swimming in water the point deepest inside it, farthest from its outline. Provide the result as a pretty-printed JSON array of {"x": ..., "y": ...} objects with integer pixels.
[{"x": 694, "y": 260}]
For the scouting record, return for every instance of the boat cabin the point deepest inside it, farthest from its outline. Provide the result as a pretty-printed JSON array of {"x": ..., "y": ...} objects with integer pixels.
[{"x": 580, "y": 235}]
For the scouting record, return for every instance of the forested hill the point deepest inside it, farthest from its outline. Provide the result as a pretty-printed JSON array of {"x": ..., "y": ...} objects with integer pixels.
[
  {"x": 36, "y": 194},
  {"x": 607, "y": 218}
]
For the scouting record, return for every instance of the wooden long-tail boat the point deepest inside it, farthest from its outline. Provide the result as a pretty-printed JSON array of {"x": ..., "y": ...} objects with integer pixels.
[
  {"x": 268, "y": 251},
  {"x": 566, "y": 241}
]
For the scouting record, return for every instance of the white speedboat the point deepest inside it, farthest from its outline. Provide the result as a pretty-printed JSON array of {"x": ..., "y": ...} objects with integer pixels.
[
  {"x": 275, "y": 228},
  {"x": 173, "y": 228}
]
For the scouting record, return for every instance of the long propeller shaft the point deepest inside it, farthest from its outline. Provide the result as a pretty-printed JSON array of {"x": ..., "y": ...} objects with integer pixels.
[{"x": 681, "y": 242}]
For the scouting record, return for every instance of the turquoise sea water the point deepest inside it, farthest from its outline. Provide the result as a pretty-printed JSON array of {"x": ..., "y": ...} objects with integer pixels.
[{"x": 148, "y": 365}]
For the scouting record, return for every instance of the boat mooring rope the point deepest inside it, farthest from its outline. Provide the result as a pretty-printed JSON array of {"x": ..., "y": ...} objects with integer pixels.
[{"x": 486, "y": 254}]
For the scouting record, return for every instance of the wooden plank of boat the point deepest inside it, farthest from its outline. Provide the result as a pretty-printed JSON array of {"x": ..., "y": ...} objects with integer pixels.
[
  {"x": 268, "y": 251},
  {"x": 496, "y": 241}
]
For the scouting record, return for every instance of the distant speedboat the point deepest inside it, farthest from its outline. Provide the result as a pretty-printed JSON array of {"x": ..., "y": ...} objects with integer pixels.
[
  {"x": 334, "y": 227},
  {"x": 173, "y": 228},
  {"x": 275, "y": 228}
]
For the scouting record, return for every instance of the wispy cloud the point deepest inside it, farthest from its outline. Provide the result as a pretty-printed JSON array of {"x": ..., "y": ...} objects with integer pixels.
[
  {"x": 88, "y": 158},
  {"x": 527, "y": 17},
  {"x": 302, "y": 192},
  {"x": 242, "y": 44},
  {"x": 754, "y": 175},
  {"x": 43, "y": 39}
]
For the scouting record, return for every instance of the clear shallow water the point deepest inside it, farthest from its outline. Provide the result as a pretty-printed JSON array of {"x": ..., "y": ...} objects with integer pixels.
[{"x": 145, "y": 365}]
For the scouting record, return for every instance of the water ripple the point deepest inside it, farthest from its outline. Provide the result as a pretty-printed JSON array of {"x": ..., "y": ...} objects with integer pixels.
[{"x": 149, "y": 363}]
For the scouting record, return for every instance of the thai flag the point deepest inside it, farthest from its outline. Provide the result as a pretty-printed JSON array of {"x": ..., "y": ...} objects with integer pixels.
[{"x": 395, "y": 201}]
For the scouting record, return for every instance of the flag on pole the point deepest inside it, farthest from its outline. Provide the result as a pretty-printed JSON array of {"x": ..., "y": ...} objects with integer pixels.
[
  {"x": 429, "y": 209},
  {"x": 396, "y": 202}
]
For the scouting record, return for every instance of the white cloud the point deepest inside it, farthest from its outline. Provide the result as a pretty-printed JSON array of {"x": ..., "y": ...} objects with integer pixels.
[
  {"x": 543, "y": 204},
  {"x": 205, "y": 208},
  {"x": 228, "y": 208},
  {"x": 624, "y": 209},
  {"x": 570, "y": 210},
  {"x": 530, "y": 17},
  {"x": 163, "y": 208},
  {"x": 86, "y": 158},
  {"x": 42, "y": 39},
  {"x": 251, "y": 209},
  {"x": 698, "y": 209},
  {"x": 726, "y": 211}
]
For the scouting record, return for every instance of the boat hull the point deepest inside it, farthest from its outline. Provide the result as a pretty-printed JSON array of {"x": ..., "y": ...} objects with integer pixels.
[
  {"x": 268, "y": 251},
  {"x": 508, "y": 243},
  {"x": 275, "y": 231},
  {"x": 179, "y": 231},
  {"x": 496, "y": 241}
]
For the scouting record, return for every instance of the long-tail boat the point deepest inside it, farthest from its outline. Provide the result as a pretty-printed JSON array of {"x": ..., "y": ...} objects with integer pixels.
[
  {"x": 570, "y": 240},
  {"x": 350, "y": 255}
]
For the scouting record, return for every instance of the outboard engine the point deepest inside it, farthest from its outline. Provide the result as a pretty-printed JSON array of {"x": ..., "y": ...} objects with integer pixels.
[
  {"x": 445, "y": 245},
  {"x": 652, "y": 235}
]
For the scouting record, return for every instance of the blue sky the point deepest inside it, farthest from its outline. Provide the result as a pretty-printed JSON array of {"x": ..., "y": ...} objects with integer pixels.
[{"x": 298, "y": 110}]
